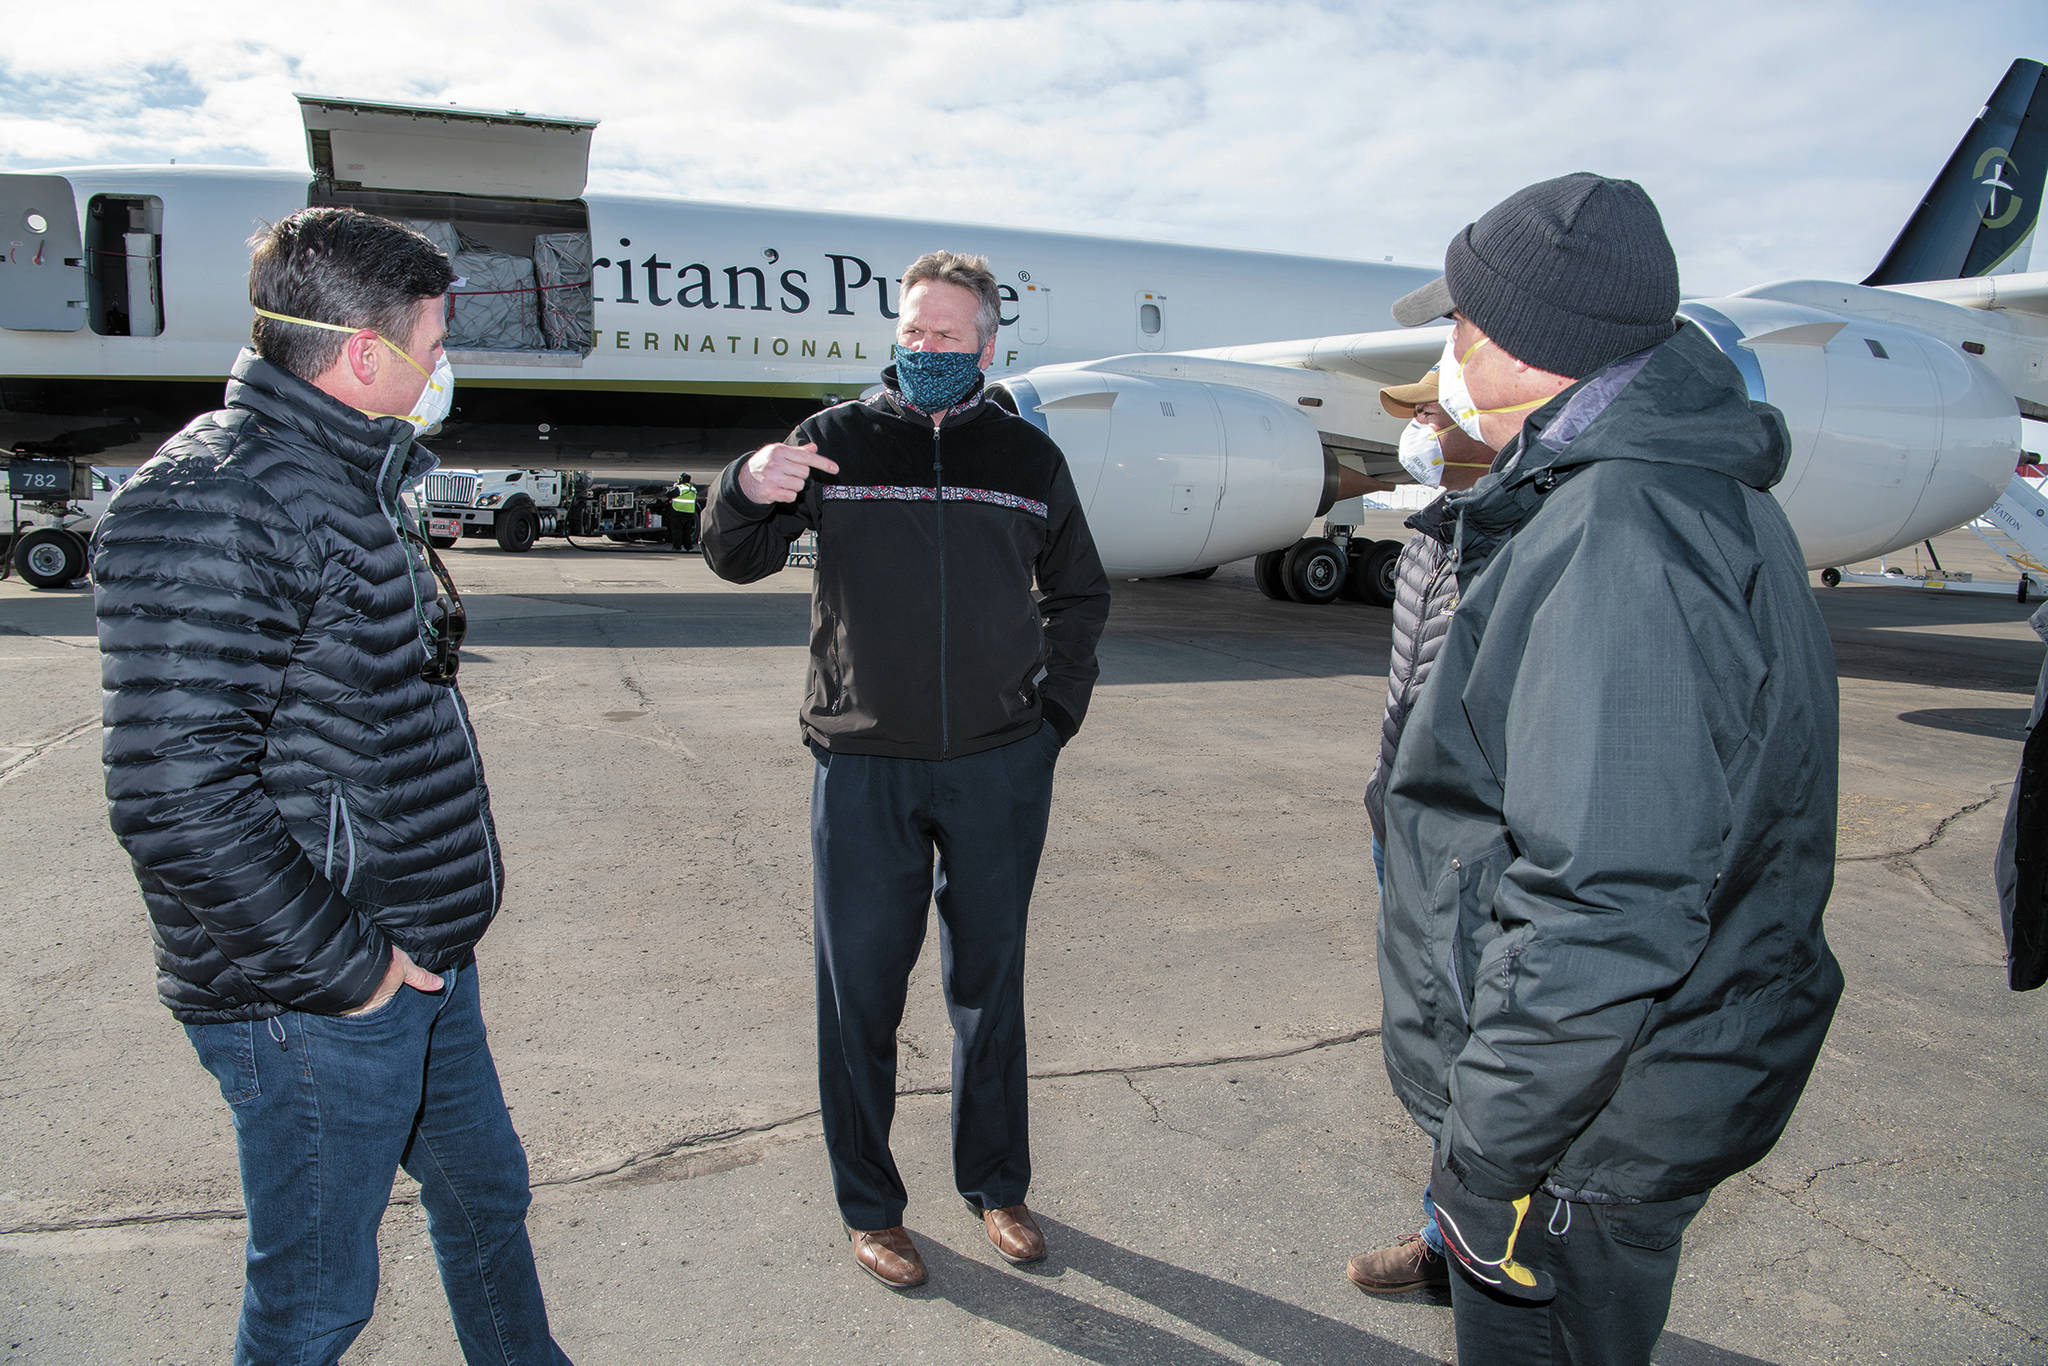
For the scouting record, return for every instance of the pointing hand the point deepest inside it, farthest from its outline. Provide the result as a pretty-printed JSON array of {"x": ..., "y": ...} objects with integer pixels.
[{"x": 776, "y": 474}]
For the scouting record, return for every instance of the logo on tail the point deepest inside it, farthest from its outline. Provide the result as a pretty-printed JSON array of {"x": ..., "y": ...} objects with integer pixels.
[{"x": 1978, "y": 217}]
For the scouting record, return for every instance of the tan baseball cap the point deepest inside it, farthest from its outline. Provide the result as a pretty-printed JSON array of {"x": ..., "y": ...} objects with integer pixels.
[{"x": 1401, "y": 400}]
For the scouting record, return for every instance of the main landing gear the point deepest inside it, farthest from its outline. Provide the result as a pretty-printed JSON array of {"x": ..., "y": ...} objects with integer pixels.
[{"x": 1317, "y": 569}]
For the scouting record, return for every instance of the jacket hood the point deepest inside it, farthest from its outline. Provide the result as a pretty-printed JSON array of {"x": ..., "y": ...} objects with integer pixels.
[
  {"x": 1680, "y": 402},
  {"x": 383, "y": 448}
]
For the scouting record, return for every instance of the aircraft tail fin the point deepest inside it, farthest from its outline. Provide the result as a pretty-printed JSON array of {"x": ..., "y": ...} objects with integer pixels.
[{"x": 1978, "y": 217}]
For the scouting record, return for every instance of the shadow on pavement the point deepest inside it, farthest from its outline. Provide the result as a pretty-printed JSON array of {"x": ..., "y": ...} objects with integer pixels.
[
  {"x": 1031, "y": 1304},
  {"x": 1028, "y": 1301}
]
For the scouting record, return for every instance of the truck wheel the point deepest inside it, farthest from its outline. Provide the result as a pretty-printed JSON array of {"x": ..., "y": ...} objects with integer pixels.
[
  {"x": 518, "y": 529},
  {"x": 1314, "y": 570},
  {"x": 1376, "y": 574},
  {"x": 1266, "y": 573},
  {"x": 442, "y": 542},
  {"x": 49, "y": 557}
]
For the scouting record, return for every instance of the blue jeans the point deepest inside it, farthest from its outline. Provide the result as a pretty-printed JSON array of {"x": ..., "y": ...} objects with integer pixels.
[{"x": 326, "y": 1109}]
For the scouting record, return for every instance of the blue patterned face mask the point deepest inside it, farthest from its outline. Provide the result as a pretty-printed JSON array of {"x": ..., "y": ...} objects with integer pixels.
[{"x": 935, "y": 380}]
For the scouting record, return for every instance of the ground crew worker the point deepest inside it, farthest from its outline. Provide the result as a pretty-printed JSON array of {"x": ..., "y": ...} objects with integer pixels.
[{"x": 682, "y": 518}]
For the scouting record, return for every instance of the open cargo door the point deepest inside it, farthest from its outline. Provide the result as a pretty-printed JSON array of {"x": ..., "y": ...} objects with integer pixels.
[
  {"x": 498, "y": 191},
  {"x": 370, "y": 144}
]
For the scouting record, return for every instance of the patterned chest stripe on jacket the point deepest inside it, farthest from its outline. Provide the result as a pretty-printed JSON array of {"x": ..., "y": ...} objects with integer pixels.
[{"x": 924, "y": 493}]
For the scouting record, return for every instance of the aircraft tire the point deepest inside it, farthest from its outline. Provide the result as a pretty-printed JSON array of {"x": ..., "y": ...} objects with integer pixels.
[
  {"x": 1376, "y": 574},
  {"x": 1831, "y": 577},
  {"x": 1314, "y": 570},
  {"x": 1198, "y": 574},
  {"x": 1266, "y": 573},
  {"x": 518, "y": 529},
  {"x": 49, "y": 557}
]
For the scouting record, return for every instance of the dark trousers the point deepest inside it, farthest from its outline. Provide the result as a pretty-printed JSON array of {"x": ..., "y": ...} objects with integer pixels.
[
  {"x": 876, "y": 826},
  {"x": 1613, "y": 1266},
  {"x": 327, "y": 1109}
]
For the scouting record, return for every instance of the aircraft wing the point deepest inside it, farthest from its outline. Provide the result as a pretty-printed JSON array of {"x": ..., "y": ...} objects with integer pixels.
[
  {"x": 2027, "y": 293},
  {"x": 1333, "y": 382},
  {"x": 1401, "y": 355}
]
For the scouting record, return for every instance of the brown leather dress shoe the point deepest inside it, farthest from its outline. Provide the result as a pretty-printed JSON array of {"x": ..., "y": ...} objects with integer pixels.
[
  {"x": 889, "y": 1256},
  {"x": 1410, "y": 1264},
  {"x": 1014, "y": 1232}
]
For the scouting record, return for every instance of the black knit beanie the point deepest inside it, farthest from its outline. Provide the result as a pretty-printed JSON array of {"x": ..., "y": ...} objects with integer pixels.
[{"x": 1566, "y": 275}]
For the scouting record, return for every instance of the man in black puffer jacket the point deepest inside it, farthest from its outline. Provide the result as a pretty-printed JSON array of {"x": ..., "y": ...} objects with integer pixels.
[
  {"x": 292, "y": 771},
  {"x": 941, "y": 692}
]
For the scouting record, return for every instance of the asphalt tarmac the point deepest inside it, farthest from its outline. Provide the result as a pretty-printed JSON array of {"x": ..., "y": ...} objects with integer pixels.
[{"x": 1212, "y": 1126}]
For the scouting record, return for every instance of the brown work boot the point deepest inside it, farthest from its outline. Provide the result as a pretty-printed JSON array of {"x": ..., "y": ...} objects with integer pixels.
[
  {"x": 1410, "y": 1264},
  {"x": 1014, "y": 1232},
  {"x": 889, "y": 1256}
]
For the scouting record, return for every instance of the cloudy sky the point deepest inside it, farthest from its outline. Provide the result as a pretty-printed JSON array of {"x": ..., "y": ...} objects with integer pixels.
[{"x": 1781, "y": 139}]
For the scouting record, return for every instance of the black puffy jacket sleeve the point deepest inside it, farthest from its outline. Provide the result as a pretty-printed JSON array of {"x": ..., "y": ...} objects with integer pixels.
[{"x": 201, "y": 587}]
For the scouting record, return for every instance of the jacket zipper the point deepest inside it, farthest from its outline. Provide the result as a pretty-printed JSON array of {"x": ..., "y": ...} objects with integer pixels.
[
  {"x": 939, "y": 500},
  {"x": 476, "y": 762}
]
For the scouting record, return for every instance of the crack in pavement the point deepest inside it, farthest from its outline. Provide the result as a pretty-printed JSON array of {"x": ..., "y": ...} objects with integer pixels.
[
  {"x": 727, "y": 1137},
  {"x": 1957, "y": 1292},
  {"x": 1806, "y": 1182},
  {"x": 1940, "y": 830},
  {"x": 27, "y": 758}
]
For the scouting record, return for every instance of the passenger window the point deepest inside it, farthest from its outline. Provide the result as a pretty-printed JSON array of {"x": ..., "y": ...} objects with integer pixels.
[{"x": 1148, "y": 319}]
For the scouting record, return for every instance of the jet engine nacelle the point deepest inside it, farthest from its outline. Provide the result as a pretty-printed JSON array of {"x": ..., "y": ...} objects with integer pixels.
[
  {"x": 1896, "y": 435},
  {"x": 1177, "y": 474}
]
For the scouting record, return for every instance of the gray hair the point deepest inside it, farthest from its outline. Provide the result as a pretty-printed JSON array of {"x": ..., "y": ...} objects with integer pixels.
[{"x": 968, "y": 272}]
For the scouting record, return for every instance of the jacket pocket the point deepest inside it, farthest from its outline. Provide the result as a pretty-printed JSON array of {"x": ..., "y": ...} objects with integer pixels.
[
  {"x": 1462, "y": 920},
  {"x": 1654, "y": 1226},
  {"x": 228, "y": 1051}
]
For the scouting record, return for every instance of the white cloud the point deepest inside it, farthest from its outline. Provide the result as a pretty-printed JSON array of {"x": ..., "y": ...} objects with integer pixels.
[{"x": 1778, "y": 139}]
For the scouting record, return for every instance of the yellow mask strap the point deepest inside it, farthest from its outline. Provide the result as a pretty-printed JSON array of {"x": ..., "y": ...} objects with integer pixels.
[
  {"x": 1515, "y": 408},
  {"x": 337, "y": 327}
]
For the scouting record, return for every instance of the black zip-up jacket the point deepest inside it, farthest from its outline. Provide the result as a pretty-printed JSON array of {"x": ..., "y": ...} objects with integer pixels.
[
  {"x": 295, "y": 796},
  {"x": 926, "y": 640}
]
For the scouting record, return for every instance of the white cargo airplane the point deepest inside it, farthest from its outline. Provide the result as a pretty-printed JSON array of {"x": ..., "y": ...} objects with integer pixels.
[{"x": 1207, "y": 434}]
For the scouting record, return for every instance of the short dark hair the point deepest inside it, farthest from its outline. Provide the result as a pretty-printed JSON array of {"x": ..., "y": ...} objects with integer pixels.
[
  {"x": 340, "y": 266},
  {"x": 968, "y": 272}
]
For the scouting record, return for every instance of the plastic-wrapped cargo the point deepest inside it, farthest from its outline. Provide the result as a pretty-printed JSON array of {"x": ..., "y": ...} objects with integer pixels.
[
  {"x": 561, "y": 265},
  {"x": 439, "y": 231},
  {"x": 493, "y": 308}
]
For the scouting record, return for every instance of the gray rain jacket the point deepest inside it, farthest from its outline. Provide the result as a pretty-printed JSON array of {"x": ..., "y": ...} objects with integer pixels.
[
  {"x": 1611, "y": 823},
  {"x": 295, "y": 796}
]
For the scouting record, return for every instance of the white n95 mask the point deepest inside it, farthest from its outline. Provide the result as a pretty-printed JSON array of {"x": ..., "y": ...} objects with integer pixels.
[
  {"x": 1422, "y": 454},
  {"x": 1456, "y": 400}
]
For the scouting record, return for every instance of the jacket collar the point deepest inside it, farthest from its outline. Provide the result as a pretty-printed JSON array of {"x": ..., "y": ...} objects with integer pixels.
[
  {"x": 381, "y": 449},
  {"x": 1680, "y": 402}
]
